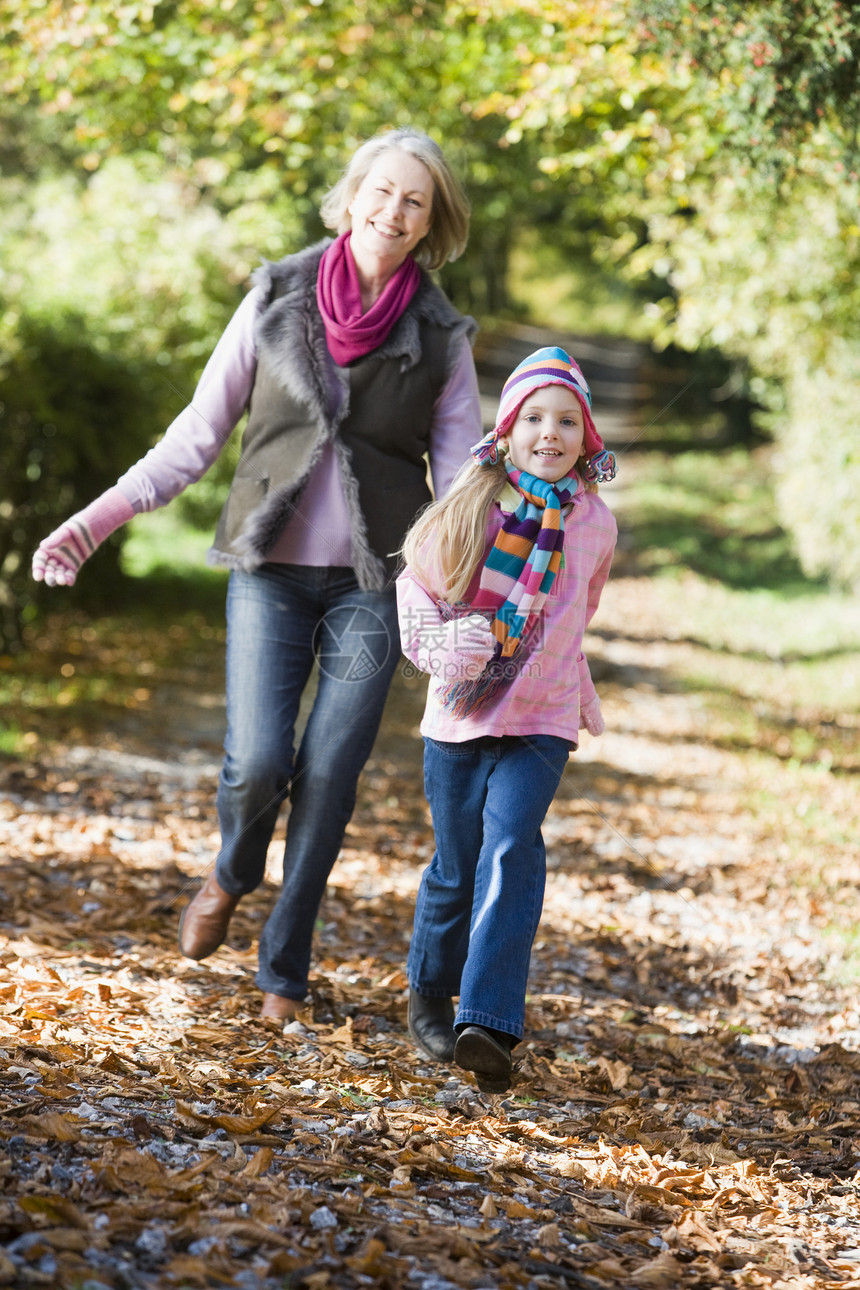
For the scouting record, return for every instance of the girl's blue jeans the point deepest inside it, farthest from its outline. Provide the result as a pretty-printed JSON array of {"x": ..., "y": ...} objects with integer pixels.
[
  {"x": 480, "y": 899},
  {"x": 281, "y": 619}
]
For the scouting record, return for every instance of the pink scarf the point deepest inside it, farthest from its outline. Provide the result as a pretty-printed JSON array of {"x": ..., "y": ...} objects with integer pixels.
[{"x": 349, "y": 333}]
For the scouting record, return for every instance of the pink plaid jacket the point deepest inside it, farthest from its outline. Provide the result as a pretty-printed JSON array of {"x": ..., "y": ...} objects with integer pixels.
[{"x": 553, "y": 683}]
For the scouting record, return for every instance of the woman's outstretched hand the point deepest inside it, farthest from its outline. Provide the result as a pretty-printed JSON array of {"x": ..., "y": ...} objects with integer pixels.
[{"x": 60, "y": 556}]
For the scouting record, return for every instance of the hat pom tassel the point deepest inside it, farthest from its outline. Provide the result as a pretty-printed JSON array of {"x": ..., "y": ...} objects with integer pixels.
[
  {"x": 486, "y": 453},
  {"x": 600, "y": 468}
]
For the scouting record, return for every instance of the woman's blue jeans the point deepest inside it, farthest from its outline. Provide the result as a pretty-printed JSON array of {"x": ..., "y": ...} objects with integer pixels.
[
  {"x": 480, "y": 899},
  {"x": 280, "y": 620}
]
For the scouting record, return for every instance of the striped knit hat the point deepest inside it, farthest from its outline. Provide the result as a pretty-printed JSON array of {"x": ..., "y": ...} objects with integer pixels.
[{"x": 549, "y": 366}]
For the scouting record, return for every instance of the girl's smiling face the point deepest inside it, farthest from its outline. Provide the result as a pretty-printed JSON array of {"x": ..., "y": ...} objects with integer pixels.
[{"x": 547, "y": 436}]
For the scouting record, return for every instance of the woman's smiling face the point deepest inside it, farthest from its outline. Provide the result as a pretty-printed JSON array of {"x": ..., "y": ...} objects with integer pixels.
[
  {"x": 547, "y": 436},
  {"x": 392, "y": 207}
]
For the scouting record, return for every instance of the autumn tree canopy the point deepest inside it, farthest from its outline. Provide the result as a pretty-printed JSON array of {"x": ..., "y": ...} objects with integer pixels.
[{"x": 706, "y": 153}]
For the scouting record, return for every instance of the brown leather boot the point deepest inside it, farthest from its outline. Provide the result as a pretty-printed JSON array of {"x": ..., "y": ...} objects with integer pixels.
[
  {"x": 204, "y": 921},
  {"x": 276, "y": 1008}
]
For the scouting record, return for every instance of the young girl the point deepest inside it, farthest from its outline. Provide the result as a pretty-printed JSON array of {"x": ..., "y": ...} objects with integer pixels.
[{"x": 501, "y": 580}]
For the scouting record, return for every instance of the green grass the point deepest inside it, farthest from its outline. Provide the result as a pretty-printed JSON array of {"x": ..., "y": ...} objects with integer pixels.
[
  {"x": 773, "y": 655},
  {"x": 705, "y": 526},
  {"x": 714, "y": 514}
]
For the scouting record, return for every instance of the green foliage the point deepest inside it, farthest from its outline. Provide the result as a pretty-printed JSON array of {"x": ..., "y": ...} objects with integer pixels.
[
  {"x": 112, "y": 290},
  {"x": 131, "y": 248},
  {"x": 62, "y": 402},
  {"x": 818, "y": 474},
  {"x": 786, "y": 69},
  {"x": 752, "y": 223},
  {"x": 260, "y": 104},
  {"x": 702, "y": 155},
  {"x": 172, "y": 541}
]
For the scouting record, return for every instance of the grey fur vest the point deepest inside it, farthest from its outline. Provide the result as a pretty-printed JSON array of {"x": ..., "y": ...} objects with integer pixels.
[{"x": 377, "y": 413}]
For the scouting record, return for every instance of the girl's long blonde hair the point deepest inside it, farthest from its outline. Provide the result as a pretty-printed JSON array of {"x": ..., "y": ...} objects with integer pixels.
[{"x": 446, "y": 544}]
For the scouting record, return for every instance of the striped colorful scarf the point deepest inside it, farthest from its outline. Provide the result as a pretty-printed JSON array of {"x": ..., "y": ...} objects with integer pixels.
[{"x": 519, "y": 571}]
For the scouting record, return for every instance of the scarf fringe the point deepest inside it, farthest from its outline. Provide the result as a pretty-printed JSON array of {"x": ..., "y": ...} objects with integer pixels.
[{"x": 462, "y": 698}]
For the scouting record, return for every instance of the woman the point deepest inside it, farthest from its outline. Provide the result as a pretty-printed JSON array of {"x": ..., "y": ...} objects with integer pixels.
[{"x": 352, "y": 365}]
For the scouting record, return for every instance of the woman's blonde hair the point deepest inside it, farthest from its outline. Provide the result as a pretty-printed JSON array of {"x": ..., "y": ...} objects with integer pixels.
[
  {"x": 449, "y": 228},
  {"x": 446, "y": 544}
]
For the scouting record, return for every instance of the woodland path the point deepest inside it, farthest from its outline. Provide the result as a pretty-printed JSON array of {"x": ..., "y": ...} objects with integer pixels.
[{"x": 685, "y": 1110}]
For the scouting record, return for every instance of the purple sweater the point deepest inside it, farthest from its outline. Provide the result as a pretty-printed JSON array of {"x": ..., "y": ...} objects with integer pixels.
[{"x": 196, "y": 438}]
